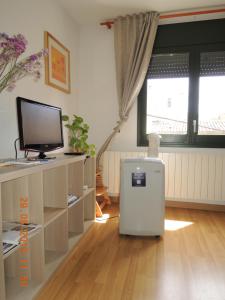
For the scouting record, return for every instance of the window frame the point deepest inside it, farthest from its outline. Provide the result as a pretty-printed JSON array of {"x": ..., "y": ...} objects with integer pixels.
[{"x": 190, "y": 139}]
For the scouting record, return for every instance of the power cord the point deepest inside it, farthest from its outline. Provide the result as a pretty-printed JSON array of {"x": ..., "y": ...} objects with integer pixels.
[
  {"x": 87, "y": 156},
  {"x": 16, "y": 147},
  {"x": 26, "y": 153},
  {"x": 16, "y": 152}
]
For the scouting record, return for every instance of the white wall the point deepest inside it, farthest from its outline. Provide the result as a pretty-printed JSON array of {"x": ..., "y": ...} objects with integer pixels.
[
  {"x": 98, "y": 95},
  {"x": 97, "y": 87},
  {"x": 32, "y": 18}
]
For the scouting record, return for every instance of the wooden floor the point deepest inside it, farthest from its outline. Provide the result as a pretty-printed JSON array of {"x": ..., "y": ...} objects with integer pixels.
[{"x": 188, "y": 263}]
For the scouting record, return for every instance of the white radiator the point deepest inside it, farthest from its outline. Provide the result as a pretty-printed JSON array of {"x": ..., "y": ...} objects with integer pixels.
[{"x": 193, "y": 177}]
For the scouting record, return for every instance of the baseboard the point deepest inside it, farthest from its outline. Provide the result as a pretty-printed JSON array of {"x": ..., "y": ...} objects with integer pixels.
[
  {"x": 194, "y": 205},
  {"x": 183, "y": 204}
]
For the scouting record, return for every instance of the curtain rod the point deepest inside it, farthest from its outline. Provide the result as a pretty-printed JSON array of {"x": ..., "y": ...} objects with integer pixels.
[{"x": 109, "y": 23}]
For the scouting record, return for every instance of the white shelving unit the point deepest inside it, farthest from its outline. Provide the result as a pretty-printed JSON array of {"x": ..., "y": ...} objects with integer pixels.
[{"x": 46, "y": 187}]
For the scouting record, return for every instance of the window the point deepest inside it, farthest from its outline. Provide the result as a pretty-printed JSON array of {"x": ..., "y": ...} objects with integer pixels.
[
  {"x": 167, "y": 94},
  {"x": 183, "y": 96},
  {"x": 212, "y": 94}
]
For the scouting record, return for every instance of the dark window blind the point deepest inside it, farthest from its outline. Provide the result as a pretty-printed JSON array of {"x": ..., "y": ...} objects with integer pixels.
[
  {"x": 168, "y": 66},
  {"x": 212, "y": 63}
]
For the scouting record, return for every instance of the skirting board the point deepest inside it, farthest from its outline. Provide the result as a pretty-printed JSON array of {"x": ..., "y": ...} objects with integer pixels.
[
  {"x": 188, "y": 205},
  {"x": 194, "y": 205}
]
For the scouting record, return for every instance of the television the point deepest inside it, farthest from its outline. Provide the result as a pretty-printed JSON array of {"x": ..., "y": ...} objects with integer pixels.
[{"x": 40, "y": 126}]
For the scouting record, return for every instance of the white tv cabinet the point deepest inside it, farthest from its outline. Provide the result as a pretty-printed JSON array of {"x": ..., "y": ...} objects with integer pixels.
[{"x": 46, "y": 186}]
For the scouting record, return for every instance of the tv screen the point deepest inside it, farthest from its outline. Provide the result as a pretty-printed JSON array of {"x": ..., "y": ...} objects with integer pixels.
[{"x": 40, "y": 126}]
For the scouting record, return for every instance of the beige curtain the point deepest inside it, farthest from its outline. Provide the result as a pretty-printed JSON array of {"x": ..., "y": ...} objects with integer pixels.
[{"x": 133, "y": 39}]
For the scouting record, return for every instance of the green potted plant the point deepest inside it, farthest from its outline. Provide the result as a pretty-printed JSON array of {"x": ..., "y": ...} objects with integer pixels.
[{"x": 78, "y": 135}]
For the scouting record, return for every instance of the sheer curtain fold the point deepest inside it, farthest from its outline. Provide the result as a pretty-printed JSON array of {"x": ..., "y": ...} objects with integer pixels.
[{"x": 133, "y": 41}]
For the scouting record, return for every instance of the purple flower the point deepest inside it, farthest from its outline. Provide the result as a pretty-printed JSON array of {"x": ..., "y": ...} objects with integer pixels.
[
  {"x": 11, "y": 70},
  {"x": 37, "y": 75},
  {"x": 11, "y": 86},
  {"x": 3, "y": 35},
  {"x": 44, "y": 52},
  {"x": 33, "y": 57},
  {"x": 13, "y": 46}
]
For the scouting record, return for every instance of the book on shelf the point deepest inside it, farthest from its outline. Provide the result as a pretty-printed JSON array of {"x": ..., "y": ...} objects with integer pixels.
[
  {"x": 7, "y": 247},
  {"x": 71, "y": 198},
  {"x": 11, "y": 231}
]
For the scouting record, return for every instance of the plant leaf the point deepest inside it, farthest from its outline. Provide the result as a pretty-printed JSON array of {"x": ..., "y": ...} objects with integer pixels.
[{"x": 65, "y": 118}]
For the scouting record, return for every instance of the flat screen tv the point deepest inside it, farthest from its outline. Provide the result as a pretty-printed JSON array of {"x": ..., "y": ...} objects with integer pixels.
[{"x": 40, "y": 126}]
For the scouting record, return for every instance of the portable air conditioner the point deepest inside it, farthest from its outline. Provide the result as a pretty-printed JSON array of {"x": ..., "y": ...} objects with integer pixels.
[{"x": 142, "y": 196}]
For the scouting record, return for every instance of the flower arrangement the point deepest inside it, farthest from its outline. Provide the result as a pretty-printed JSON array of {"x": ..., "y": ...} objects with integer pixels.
[{"x": 12, "y": 70}]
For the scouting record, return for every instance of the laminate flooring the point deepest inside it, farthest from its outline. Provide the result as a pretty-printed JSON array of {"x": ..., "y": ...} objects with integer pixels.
[{"x": 187, "y": 263}]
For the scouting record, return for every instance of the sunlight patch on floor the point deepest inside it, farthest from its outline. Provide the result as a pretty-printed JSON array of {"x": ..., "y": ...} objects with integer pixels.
[
  {"x": 102, "y": 219},
  {"x": 172, "y": 225}
]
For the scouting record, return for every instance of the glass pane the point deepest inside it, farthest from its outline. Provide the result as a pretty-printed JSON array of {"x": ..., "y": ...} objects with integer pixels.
[
  {"x": 167, "y": 105},
  {"x": 212, "y": 105}
]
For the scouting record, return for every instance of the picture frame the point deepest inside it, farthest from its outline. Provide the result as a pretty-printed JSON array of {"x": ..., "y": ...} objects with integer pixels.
[{"x": 57, "y": 64}]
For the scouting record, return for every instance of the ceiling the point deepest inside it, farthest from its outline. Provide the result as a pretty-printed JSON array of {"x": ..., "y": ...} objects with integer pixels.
[{"x": 93, "y": 11}]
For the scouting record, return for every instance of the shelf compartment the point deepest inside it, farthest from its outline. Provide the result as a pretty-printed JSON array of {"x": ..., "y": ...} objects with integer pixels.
[
  {"x": 54, "y": 258},
  {"x": 76, "y": 217},
  {"x": 89, "y": 204},
  {"x": 87, "y": 192},
  {"x": 90, "y": 172},
  {"x": 31, "y": 235},
  {"x": 75, "y": 237},
  {"x": 6, "y": 255},
  {"x": 52, "y": 261},
  {"x": 75, "y": 202},
  {"x": 34, "y": 268},
  {"x": 51, "y": 214},
  {"x": 15, "y": 292},
  {"x": 29, "y": 187},
  {"x": 76, "y": 178},
  {"x": 34, "y": 256},
  {"x": 55, "y": 187},
  {"x": 56, "y": 232}
]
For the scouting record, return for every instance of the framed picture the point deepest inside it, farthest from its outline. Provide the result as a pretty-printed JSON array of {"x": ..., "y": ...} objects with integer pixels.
[{"x": 57, "y": 64}]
